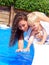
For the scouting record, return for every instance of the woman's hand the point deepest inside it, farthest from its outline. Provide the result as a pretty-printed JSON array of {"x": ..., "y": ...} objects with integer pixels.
[
  {"x": 23, "y": 50},
  {"x": 19, "y": 50},
  {"x": 26, "y": 49}
]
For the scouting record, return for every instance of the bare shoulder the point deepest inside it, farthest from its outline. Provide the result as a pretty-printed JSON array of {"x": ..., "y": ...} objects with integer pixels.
[{"x": 39, "y": 13}]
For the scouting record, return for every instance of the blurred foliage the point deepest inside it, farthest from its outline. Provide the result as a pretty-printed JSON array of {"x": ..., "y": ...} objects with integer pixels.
[{"x": 28, "y": 5}]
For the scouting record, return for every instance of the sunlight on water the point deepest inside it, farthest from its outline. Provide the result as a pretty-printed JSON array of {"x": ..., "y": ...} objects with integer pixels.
[{"x": 8, "y": 56}]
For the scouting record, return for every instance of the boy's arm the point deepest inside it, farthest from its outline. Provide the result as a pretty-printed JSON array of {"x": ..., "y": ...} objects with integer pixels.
[
  {"x": 44, "y": 38},
  {"x": 42, "y": 16}
]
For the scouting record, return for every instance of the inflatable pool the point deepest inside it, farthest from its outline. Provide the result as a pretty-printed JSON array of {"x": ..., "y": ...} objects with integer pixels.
[{"x": 8, "y": 56}]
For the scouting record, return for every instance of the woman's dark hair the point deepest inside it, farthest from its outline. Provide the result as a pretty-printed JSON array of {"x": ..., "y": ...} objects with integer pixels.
[{"x": 16, "y": 32}]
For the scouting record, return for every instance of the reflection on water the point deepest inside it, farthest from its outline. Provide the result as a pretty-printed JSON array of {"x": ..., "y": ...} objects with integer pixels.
[{"x": 8, "y": 56}]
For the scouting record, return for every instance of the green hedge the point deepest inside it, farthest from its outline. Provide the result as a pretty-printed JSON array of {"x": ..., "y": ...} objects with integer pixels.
[{"x": 28, "y": 5}]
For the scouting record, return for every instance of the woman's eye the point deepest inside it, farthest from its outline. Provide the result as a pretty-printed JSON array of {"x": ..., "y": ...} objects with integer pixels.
[
  {"x": 19, "y": 26},
  {"x": 23, "y": 25}
]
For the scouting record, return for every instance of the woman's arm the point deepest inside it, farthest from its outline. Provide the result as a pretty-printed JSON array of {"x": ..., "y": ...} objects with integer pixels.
[
  {"x": 30, "y": 41},
  {"x": 42, "y": 16},
  {"x": 20, "y": 44},
  {"x": 44, "y": 38}
]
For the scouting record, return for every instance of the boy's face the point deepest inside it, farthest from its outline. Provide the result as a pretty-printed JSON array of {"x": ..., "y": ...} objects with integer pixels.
[{"x": 35, "y": 26}]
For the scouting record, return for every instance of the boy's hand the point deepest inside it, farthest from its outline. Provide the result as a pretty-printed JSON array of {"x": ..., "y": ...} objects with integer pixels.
[{"x": 40, "y": 43}]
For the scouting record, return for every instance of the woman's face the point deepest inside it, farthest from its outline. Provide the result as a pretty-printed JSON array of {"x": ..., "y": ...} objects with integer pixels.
[{"x": 23, "y": 25}]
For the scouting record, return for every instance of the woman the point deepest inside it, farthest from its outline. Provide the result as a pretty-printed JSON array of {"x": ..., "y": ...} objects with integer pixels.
[{"x": 21, "y": 24}]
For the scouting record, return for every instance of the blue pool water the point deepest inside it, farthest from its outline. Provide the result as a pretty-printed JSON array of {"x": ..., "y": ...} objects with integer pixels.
[{"x": 8, "y": 56}]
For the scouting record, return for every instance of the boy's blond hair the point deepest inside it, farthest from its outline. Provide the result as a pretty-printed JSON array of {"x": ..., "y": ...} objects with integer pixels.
[{"x": 32, "y": 17}]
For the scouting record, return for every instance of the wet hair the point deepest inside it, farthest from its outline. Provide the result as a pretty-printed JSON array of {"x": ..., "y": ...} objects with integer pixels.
[{"x": 16, "y": 32}]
